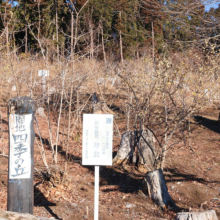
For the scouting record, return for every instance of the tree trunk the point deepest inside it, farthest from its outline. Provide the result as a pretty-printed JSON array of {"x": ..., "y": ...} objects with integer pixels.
[
  {"x": 96, "y": 104},
  {"x": 14, "y": 45},
  {"x": 26, "y": 37},
  {"x": 39, "y": 20},
  {"x": 103, "y": 45},
  {"x": 129, "y": 111},
  {"x": 72, "y": 35},
  {"x": 100, "y": 107},
  {"x": 206, "y": 215},
  {"x": 143, "y": 156},
  {"x": 69, "y": 116},
  {"x": 63, "y": 49},
  {"x": 91, "y": 39},
  {"x": 57, "y": 33},
  {"x": 146, "y": 152},
  {"x": 53, "y": 57},
  {"x": 164, "y": 147},
  {"x": 76, "y": 33},
  {"x": 121, "y": 49},
  {"x": 77, "y": 107},
  {"x": 25, "y": 30},
  {"x": 59, "y": 117},
  {"x": 152, "y": 24},
  {"x": 157, "y": 189},
  {"x": 126, "y": 149},
  {"x": 26, "y": 46},
  {"x": 137, "y": 48},
  {"x": 7, "y": 41}
]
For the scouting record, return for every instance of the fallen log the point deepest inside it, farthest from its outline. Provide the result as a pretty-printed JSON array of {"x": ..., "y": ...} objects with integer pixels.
[
  {"x": 205, "y": 215},
  {"x": 157, "y": 189}
]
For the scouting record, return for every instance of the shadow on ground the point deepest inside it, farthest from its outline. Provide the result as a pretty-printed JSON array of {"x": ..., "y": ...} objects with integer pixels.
[
  {"x": 116, "y": 109},
  {"x": 109, "y": 176},
  {"x": 180, "y": 177},
  {"x": 208, "y": 123},
  {"x": 41, "y": 200},
  {"x": 4, "y": 122},
  {"x": 124, "y": 181},
  {"x": 122, "y": 178}
]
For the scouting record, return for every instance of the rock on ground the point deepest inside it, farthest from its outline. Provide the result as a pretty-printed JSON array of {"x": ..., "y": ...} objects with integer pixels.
[{"x": 6, "y": 215}]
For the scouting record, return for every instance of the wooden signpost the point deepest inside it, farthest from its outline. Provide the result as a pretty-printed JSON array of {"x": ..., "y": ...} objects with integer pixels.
[
  {"x": 21, "y": 155},
  {"x": 43, "y": 74},
  {"x": 97, "y": 146}
]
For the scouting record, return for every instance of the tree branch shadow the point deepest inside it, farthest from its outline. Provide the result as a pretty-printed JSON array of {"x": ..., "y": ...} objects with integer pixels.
[
  {"x": 4, "y": 122},
  {"x": 41, "y": 200},
  {"x": 208, "y": 123},
  {"x": 180, "y": 177},
  {"x": 114, "y": 176}
]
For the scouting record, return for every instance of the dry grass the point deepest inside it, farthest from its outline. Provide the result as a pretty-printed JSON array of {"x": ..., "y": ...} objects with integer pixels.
[{"x": 166, "y": 90}]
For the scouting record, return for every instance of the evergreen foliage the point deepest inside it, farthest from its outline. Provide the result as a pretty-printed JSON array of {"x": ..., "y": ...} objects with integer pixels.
[{"x": 173, "y": 24}]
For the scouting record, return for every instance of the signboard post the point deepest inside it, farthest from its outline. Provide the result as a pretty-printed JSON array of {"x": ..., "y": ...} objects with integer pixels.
[
  {"x": 43, "y": 74},
  {"x": 97, "y": 146},
  {"x": 21, "y": 155}
]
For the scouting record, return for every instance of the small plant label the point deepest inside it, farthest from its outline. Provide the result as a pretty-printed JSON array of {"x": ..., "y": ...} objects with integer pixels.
[
  {"x": 43, "y": 73},
  {"x": 97, "y": 139},
  {"x": 20, "y": 146}
]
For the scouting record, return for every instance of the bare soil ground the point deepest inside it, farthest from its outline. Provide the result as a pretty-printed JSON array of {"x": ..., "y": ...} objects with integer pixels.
[{"x": 193, "y": 179}]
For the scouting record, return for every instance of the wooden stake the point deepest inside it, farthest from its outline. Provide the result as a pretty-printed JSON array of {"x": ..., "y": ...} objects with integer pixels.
[{"x": 21, "y": 155}]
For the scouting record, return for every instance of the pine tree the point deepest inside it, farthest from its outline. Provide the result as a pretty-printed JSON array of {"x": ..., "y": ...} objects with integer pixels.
[
  {"x": 153, "y": 16},
  {"x": 95, "y": 23},
  {"x": 185, "y": 17},
  {"x": 127, "y": 27},
  {"x": 6, "y": 18}
]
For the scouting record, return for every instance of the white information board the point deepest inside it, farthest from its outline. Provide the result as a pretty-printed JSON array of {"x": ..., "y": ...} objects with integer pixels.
[
  {"x": 43, "y": 73},
  {"x": 97, "y": 139},
  {"x": 20, "y": 146}
]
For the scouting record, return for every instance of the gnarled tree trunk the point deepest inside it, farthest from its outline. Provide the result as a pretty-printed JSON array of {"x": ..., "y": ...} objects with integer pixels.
[
  {"x": 206, "y": 215},
  {"x": 157, "y": 189},
  {"x": 146, "y": 151},
  {"x": 126, "y": 149},
  {"x": 144, "y": 155}
]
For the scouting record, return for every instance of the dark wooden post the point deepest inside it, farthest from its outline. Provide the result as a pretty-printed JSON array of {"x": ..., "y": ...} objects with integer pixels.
[{"x": 21, "y": 155}]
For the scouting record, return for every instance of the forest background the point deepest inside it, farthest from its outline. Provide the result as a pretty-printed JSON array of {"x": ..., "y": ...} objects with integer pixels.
[{"x": 107, "y": 29}]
